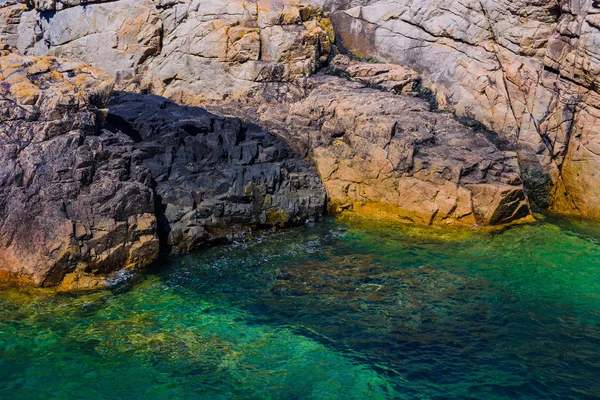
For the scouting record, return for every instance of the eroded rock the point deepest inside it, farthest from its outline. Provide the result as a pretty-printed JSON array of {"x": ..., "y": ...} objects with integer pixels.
[
  {"x": 243, "y": 51},
  {"x": 390, "y": 157},
  {"x": 527, "y": 69},
  {"x": 216, "y": 177},
  {"x": 190, "y": 51},
  {"x": 75, "y": 200}
]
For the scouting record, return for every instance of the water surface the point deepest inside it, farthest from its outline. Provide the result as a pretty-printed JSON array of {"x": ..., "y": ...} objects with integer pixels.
[{"x": 335, "y": 310}]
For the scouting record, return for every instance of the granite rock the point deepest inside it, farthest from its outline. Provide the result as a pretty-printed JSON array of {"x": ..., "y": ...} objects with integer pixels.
[
  {"x": 527, "y": 69},
  {"x": 75, "y": 201},
  {"x": 388, "y": 156}
]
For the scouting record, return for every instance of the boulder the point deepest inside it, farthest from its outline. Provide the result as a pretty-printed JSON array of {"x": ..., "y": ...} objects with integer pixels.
[{"x": 388, "y": 156}]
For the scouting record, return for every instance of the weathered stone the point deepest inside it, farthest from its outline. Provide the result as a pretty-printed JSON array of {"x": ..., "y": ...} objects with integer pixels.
[
  {"x": 74, "y": 200},
  {"x": 216, "y": 177},
  {"x": 388, "y": 77},
  {"x": 10, "y": 16},
  {"x": 190, "y": 51},
  {"x": 251, "y": 51},
  {"x": 388, "y": 156},
  {"x": 527, "y": 69},
  {"x": 117, "y": 36}
]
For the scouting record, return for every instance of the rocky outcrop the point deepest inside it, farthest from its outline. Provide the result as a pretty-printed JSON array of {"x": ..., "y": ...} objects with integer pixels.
[
  {"x": 215, "y": 177},
  {"x": 75, "y": 201},
  {"x": 244, "y": 51},
  {"x": 388, "y": 156},
  {"x": 193, "y": 52},
  {"x": 116, "y": 36},
  {"x": 79, "y": 202},
  {"x": 10, "y": 17},
  {"x": 527, "y": 69}
]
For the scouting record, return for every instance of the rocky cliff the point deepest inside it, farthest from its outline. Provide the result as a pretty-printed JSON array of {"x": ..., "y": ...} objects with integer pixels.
[
  {"x": 527, "y": 69},
  {"x": 524, "y": 69},
  {"x": 480, "y": 109},
  {"x": 75, "y": 200}
]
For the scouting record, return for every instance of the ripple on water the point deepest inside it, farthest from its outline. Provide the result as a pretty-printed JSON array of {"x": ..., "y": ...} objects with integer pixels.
[{"x": 333, "y": 310}]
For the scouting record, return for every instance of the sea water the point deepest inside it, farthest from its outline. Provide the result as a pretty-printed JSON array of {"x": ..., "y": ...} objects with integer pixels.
[{"x": 334, "y": 310}]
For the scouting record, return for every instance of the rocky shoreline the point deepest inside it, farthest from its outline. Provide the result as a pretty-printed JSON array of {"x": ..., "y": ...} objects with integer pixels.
[
  {"x": 82, "y": 199},
  {"x": 109, "y": 160}
]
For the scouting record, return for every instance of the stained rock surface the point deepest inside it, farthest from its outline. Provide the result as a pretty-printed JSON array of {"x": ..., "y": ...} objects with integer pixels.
[
  {"x": 79, "y": 201},
  {"x": 215, "y": 177},
  {"x": 390, "y": 157},
  {"x": 75, "y": 201},
  {"x": 527, "y": 69},
  {"x": 190, "y": 51}
]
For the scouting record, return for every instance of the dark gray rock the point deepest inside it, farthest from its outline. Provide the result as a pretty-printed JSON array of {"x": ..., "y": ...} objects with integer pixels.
[{"x": 215, "y": 177}]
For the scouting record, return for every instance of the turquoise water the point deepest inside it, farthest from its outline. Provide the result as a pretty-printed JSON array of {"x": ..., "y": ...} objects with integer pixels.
[{"x": 336, "y": 310}]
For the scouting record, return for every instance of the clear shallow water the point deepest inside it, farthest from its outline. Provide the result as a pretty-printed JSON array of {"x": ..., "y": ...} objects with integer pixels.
[{"x": 333, "y": 311}]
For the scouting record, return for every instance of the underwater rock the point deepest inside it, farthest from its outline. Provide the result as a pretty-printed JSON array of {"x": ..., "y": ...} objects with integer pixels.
[
  {"x": 392, "y": 302},
  {"x": 75, "y": 200},
  {"x": 215, "y": 177}
]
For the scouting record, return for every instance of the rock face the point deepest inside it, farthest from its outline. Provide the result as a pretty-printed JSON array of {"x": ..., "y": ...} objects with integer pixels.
[
  {"x": 244, "y": 51},
  {"x": 79, "y": 203},
  {"x": 389, "y": 156},
  {"x": 75, "y": 201},
  {"x": 527, "y": 69},
  {"x": 116, "y": 36},
  {"x": 10, "y": 17},
  {"x": 190, "y": 51},
  {"x": 215, "y": 177}
]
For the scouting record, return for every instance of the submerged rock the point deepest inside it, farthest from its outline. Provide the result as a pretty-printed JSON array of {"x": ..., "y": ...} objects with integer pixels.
[
  {"x": 75, "y": 200},
  {"x": 215, "y": 177}
]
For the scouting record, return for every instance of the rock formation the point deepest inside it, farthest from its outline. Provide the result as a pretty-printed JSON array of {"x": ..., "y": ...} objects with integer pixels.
[
  {"x": 79, "y": 202},
  {"x": 389, "y": 156},
  {"x": 526, "y": 69},
  {"x": 260, "y": 52},
  {"x": 192, "y": 52},
  {"x": 216, "y": 177},
  {"x": 75, "y": 201},
  {"x": 519, "y": 76}
]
